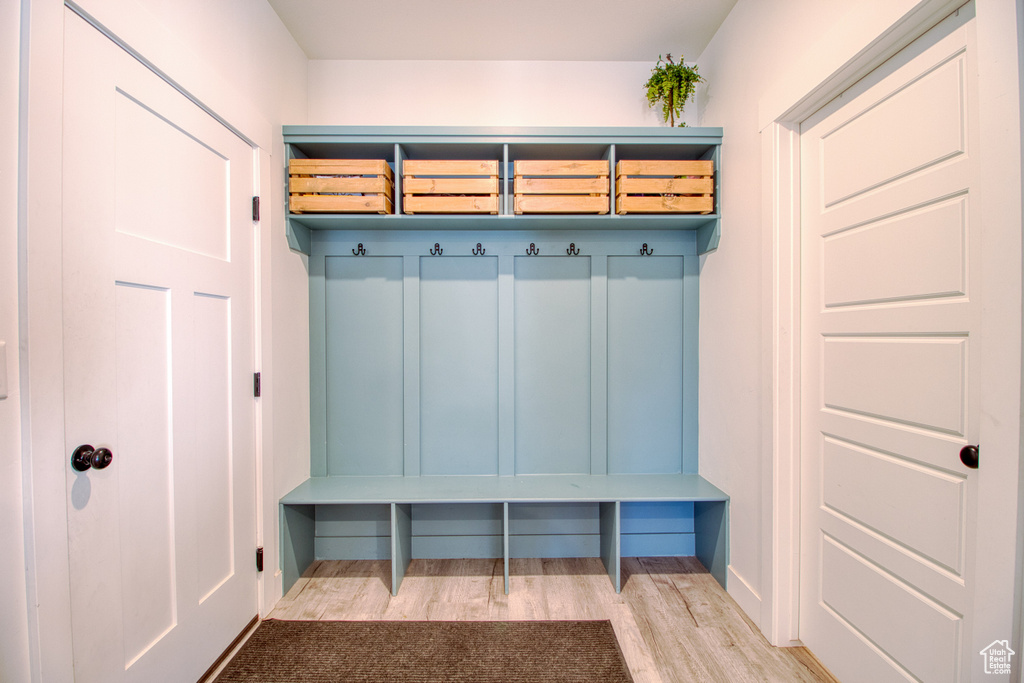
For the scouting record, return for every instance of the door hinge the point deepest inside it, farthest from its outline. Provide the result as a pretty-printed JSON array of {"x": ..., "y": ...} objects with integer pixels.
[
  {"x": 256, "y": 388},
  {"x": 255, "y": 209},
  {"x": 259, "y": 559}
]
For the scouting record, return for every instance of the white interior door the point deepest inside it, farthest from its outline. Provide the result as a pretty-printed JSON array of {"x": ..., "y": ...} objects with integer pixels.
[
  {"x": 891, "y": 319},
  {"x": 158, "y": 341}
]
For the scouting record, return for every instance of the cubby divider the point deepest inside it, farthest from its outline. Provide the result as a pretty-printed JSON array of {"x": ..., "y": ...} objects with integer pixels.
[
  {"x": 504, "y": 527},
  {"x": 611, "y": 548},
  {"x": 401, "y": 543}
]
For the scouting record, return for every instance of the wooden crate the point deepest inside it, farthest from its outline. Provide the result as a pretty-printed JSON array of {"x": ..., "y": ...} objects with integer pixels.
[
  {"x": 664, "y": 187},
  {"x": 561, "y": 187},
  {"x": 458, "y": 186},
  {"x": 340, "y": 186}
]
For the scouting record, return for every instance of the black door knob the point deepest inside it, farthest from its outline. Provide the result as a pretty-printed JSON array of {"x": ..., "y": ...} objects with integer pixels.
[
  {"x": 101, "y": 457},
  {"x": 969, "y": 456},
  {"x": 86, "y": 457}
]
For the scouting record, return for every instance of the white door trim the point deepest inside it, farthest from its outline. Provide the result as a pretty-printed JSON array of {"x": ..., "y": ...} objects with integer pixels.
[
  {"x": 44, "y": 461},
  {"x": 781, "y": 116},
  {"x": 41, "y": 340}
]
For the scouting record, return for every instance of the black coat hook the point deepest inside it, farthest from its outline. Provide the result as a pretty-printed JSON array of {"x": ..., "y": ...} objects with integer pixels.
[
  {"x": 437, "y": 250},
  {"x": 572, "y": 250},
  {"x": 360, "y": 251},
  {"x": 479, "y": 251},
  {"x": 644, "y": 251},
  {"x": 533, "y": 250}
]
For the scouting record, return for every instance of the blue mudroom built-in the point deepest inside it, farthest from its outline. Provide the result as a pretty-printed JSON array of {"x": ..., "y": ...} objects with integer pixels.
[{"x": 511, "y": 370}]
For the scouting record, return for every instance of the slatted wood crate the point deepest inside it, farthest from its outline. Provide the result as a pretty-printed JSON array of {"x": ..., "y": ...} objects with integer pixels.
[
  {"x": 340, "y": 186},
  {"x": 665, "y": 186},
  {"x": 562, "y": 187},
  {"x": 450, "y": 186}
]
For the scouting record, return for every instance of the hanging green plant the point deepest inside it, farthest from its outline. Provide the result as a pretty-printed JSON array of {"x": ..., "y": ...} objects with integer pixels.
[{"x": 673, "y": 85}]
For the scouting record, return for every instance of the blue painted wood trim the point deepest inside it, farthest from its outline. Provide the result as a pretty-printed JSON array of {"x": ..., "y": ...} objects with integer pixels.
[
  {"x": 506, "y": 366},
  {"x": 296, "y": 233},
  {"x": 318, "y": 364},
  {"x": 691, "y": 362},
  {"x": 716, "y": 156},
  {"x": 504, "y": 527},
  {"x": 500, "y": 135},
  {"x": 399, "y": 197},
  {"x": 612, "y": 178},
  {"x": 491, "y": 489},
  {"x": 361, "y": 221},
  {"x": 411, "y": 331},
  {"x": 611, "y": 549},
  {"x": 459, "y": 546},
  {"x": 506, "y": 206},
  {"x": 401, "y": 544},
  {"x": 297, "y": 537},
  {"x": 298, "y": 236},
  {"x": 599, "y": 365},
  {"x": 711, "y": 528},
  {"x": 708, "y": 235}
]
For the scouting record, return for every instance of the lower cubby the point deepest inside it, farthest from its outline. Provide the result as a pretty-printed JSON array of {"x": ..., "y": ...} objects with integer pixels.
[
  {"x": 553, "y": 530},
  {"x": 441, "y": 530},
  {"x": 657, "y": 529},
  {"x": 352, "y": 532},
  {"x": 558, "y": 516}
]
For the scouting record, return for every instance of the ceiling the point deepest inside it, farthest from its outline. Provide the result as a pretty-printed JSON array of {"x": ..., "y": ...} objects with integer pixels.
[{"x": 549, "y": 30}]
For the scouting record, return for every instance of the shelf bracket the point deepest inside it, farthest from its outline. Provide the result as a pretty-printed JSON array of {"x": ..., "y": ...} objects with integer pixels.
[
  {"x": 298, "y": 236},
  {"x": 708, "y": 236}
]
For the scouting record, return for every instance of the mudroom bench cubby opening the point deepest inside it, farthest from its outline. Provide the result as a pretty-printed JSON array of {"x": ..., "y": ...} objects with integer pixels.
[{"x": 512, "y": 379}]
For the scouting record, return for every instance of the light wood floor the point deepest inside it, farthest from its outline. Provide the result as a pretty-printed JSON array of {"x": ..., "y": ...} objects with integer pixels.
[{"x": 672, "y": 619}]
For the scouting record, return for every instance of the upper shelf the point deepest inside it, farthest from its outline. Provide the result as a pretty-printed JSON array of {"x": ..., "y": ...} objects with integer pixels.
[{"x": 396, "y": 144}]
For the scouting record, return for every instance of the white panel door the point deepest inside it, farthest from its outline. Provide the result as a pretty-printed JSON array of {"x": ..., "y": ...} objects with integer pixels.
[
  {"x": 891, "y": 346},
  {"x": 158, "y": 340}
]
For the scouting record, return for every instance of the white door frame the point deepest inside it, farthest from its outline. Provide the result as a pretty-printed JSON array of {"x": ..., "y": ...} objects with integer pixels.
[
  {"x": 780, "y": 121},
  {"x": 44, "y": 461}
]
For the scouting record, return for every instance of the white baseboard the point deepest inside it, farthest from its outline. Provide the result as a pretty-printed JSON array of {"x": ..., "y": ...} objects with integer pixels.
[{"x": 745, "y": 596}]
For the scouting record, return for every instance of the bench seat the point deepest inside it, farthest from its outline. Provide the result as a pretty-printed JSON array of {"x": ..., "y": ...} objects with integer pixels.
[{"x": 609, "y": 492}]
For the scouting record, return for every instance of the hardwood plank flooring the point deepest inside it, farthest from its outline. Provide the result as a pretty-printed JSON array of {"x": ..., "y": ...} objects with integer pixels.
[{"x": 672, "y": 619}]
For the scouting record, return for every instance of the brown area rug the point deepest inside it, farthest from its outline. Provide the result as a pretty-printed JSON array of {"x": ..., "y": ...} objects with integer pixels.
[{"x": 435, "y": 651}]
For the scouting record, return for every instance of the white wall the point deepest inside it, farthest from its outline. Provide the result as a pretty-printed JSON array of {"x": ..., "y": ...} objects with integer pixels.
[
  {"x": 238, "y": 59},
  {"x": 14, "y": 660},
  {"x": 463, "y": 93},
  {"x": 764, "y": 58}
]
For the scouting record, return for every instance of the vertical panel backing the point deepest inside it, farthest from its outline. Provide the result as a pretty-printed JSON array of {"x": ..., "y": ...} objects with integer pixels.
[
  {"x": 365, "y": 378},
  {"x": 458, "y": 365},
  {"x": 552, "y": 365},
  {"x": 645, "y": 364}
]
